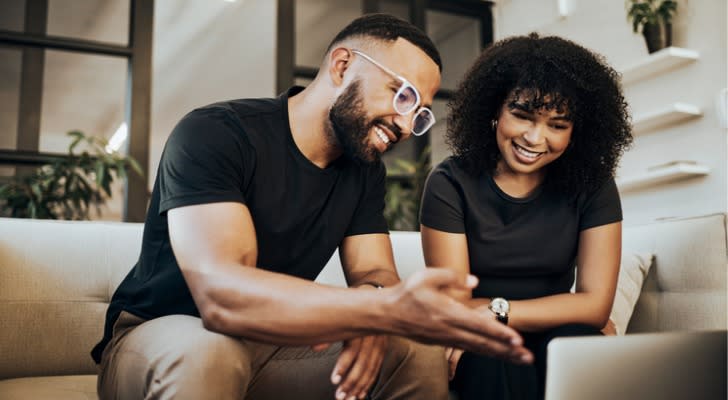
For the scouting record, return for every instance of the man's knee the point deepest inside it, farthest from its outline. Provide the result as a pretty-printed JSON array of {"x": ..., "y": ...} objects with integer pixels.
[
  {"x": 423, "y": 366},
  {"x": 417, "y": 354},
  {"x": 175, "y": 357}
]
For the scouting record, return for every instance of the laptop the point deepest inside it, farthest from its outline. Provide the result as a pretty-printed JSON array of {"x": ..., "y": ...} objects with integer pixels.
[{"x": 661, "y": 366}]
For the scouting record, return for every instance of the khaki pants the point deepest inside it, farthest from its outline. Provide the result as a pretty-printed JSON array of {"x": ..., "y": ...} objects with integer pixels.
[{"x": 174, "y": 357}]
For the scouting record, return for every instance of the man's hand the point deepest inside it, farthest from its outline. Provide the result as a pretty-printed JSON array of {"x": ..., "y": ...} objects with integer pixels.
[
  {"x": 423, "y": 310},
  {"x": 358, "y": 366}
]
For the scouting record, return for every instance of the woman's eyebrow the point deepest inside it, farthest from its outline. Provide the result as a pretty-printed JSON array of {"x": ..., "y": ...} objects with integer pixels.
[{"x": 521, "y": 106}]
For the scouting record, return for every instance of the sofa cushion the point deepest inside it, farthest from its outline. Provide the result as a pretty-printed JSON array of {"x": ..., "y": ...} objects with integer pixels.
[
  {"x": 56, "y": 278},
  {"x": 686, "y": 286},
  {"x": 632, "y": 272},
  {"x": 71, "y": 387},
  {"x": 408, "y": 258}
]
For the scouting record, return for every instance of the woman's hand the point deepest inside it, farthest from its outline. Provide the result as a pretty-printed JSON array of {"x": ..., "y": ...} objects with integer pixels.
[
  {"x": 610, "y": 329},
  {"x": 453, "y": 356}
]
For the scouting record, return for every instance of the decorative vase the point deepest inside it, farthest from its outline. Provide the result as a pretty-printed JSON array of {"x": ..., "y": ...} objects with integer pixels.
[{"x": 653, "y": 37}]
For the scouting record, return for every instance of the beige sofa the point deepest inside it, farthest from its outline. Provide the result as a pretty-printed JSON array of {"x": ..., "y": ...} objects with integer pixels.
[{"x": 57, "y": 277}]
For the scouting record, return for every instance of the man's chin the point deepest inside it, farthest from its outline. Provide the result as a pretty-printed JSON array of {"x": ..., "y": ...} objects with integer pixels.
[
  {"x": 367, "y": 159},
  {"x": 367, "y": 156}
]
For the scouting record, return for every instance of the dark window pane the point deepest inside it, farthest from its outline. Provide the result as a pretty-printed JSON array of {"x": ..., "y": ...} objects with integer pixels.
[
  {"x": 458, "y": 39},
  {"x": 81, "y": 92},
  {"x": 10, "y": 61},
  {"x": 97, "y": 20},
  {"x": 6, "y": 173},
  {"x": 298, "y": 81},
  {"x": 317, "y": 22},
  {"x": 398, "y": 8},
  {"x": 12, "y": 16}
]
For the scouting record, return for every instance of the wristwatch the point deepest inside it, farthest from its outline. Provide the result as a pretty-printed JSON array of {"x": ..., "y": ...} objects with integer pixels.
[{"x": 500, "y": 307}]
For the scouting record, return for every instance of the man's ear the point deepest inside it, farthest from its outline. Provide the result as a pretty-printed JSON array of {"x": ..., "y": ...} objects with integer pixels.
[{"x": 338, "y": 63}]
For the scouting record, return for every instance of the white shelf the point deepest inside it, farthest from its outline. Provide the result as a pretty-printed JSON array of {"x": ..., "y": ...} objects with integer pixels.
[
  {"x": 672, "y": 114},
  {"x": 670, "y": 172},
  {"x": 657, "y": 63}
]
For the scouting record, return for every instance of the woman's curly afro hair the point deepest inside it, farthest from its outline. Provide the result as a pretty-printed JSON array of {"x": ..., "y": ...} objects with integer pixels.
[{"x": 550, "y": 73}]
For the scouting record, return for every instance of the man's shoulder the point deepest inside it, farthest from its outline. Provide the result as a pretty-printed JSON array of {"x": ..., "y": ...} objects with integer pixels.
[{"x": 240, "y": 108}]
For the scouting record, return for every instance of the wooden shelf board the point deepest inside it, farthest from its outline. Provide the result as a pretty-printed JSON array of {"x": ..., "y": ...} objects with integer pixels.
[
  {"x": 657, "y": 63},
  {"x": 670, "y": 115},
  {"x": 669, "y": 173}
]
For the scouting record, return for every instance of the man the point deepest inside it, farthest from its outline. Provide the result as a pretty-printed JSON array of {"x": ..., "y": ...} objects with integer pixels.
[{"x": 251, "y": 199}]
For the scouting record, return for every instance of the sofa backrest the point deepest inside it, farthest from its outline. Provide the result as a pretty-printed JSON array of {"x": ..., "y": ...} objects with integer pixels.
[
  {"x": 56, "y": 279},
  {"x": 685, "y": 288}
]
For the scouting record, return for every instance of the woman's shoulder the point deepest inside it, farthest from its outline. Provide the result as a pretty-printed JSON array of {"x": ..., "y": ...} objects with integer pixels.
[{"x": 453, "y": 168}]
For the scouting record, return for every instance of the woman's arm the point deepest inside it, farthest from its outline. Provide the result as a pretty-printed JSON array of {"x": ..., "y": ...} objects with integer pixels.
[{"x": 597, "y": 261}]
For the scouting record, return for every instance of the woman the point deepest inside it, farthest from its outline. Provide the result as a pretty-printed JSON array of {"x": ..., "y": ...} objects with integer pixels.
[{"x": 528, "y": 201}]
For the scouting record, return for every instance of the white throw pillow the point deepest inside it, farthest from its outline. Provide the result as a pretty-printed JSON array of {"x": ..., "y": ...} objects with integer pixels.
[{"x": 632, "y": 273}]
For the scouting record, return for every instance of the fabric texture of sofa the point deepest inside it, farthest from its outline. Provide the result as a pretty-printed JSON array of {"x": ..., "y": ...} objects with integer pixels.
[{"x": 56, "y": 279}]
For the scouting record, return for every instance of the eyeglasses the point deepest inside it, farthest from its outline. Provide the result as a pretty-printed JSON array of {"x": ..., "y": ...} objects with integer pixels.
[{"x": 406, "y": 100}]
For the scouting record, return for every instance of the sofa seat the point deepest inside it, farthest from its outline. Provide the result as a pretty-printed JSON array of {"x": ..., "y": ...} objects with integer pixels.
[{"x": 68, "y": 387}]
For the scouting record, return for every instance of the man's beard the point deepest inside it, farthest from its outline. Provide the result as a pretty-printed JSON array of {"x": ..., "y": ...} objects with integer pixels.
[{"x": 350, "y": 126}]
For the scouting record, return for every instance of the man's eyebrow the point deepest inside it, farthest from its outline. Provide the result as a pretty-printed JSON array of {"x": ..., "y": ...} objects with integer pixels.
[
  {"x": 562, "y": 118},
  {"x": 394, "y": 82}
]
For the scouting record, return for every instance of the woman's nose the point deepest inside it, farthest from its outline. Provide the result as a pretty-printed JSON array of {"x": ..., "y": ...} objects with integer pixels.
[{"x": 535, "y": 134}]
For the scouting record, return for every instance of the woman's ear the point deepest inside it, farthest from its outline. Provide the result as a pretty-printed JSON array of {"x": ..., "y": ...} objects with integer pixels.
[{"x": 338, "y": 63}]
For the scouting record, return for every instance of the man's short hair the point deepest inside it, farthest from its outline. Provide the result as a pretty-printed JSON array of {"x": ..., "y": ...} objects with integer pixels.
[{"x": 388, "y": 28}]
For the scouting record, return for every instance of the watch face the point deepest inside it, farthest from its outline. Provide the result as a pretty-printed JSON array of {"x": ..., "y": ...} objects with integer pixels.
[{"x": 499, "y": 305}]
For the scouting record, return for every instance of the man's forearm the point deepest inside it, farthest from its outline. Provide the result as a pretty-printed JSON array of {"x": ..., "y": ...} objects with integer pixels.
[{"x": 283, "y": 310}]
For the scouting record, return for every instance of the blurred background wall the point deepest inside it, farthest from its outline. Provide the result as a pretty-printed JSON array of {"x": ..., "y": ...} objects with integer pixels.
[{"x": 212, "y": 50}]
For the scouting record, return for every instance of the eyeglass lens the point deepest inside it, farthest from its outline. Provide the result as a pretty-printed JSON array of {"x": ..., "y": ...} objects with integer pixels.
[
  {"x": 422, "y": 121},
  {"x": 405, "y": 101}
]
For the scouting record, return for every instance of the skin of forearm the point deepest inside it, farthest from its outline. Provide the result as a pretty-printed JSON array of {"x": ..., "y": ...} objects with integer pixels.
[
  {"x": 384, "y": 277},
  {"x": 283, "y": 310},
  {"x": 543, "y": 313}
]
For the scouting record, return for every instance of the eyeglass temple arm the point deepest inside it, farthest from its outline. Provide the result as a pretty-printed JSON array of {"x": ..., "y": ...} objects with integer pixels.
[{"x": 373, "y": 61}]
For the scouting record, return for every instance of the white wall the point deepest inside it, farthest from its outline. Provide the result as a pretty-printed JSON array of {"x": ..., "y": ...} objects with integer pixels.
[
  {"x": 208, "y": 51},
  {"x": 204, "y": 52},
  {"x": 602, "y": 26}
]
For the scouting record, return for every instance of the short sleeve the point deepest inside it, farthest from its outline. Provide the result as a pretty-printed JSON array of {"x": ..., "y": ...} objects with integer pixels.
[
  {"x": 369, "y": 215},
  {"x": 203, "y": 161},
  {"x": 602, "y": 207},
  {"x": 442, "y": 203}
]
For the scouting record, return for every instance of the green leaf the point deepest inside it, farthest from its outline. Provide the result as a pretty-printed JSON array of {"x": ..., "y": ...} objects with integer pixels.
[
  {"x": 100, "y": 172},
  {"x": 121, "y": 169},
  {"x": 77, "y": 137}
]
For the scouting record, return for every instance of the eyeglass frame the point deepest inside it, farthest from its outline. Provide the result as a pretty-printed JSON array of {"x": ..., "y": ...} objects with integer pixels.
[{"x": 405, "y": 84}]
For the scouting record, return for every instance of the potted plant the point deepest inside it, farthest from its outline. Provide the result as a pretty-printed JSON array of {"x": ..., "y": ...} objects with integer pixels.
[
  {"x": 66, "y": 189},
  {"x": 405, "y": 183},
  {"x": 655, "y": 19}
]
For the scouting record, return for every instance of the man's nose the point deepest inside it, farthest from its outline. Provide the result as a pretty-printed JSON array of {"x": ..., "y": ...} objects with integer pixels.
[{"x": 404, "y": 123}]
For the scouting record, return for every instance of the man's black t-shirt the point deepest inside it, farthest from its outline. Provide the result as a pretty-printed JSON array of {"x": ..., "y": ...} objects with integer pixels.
[
  {"x": 243, "y": 151},
  {"x": 519, "y": 248}
]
